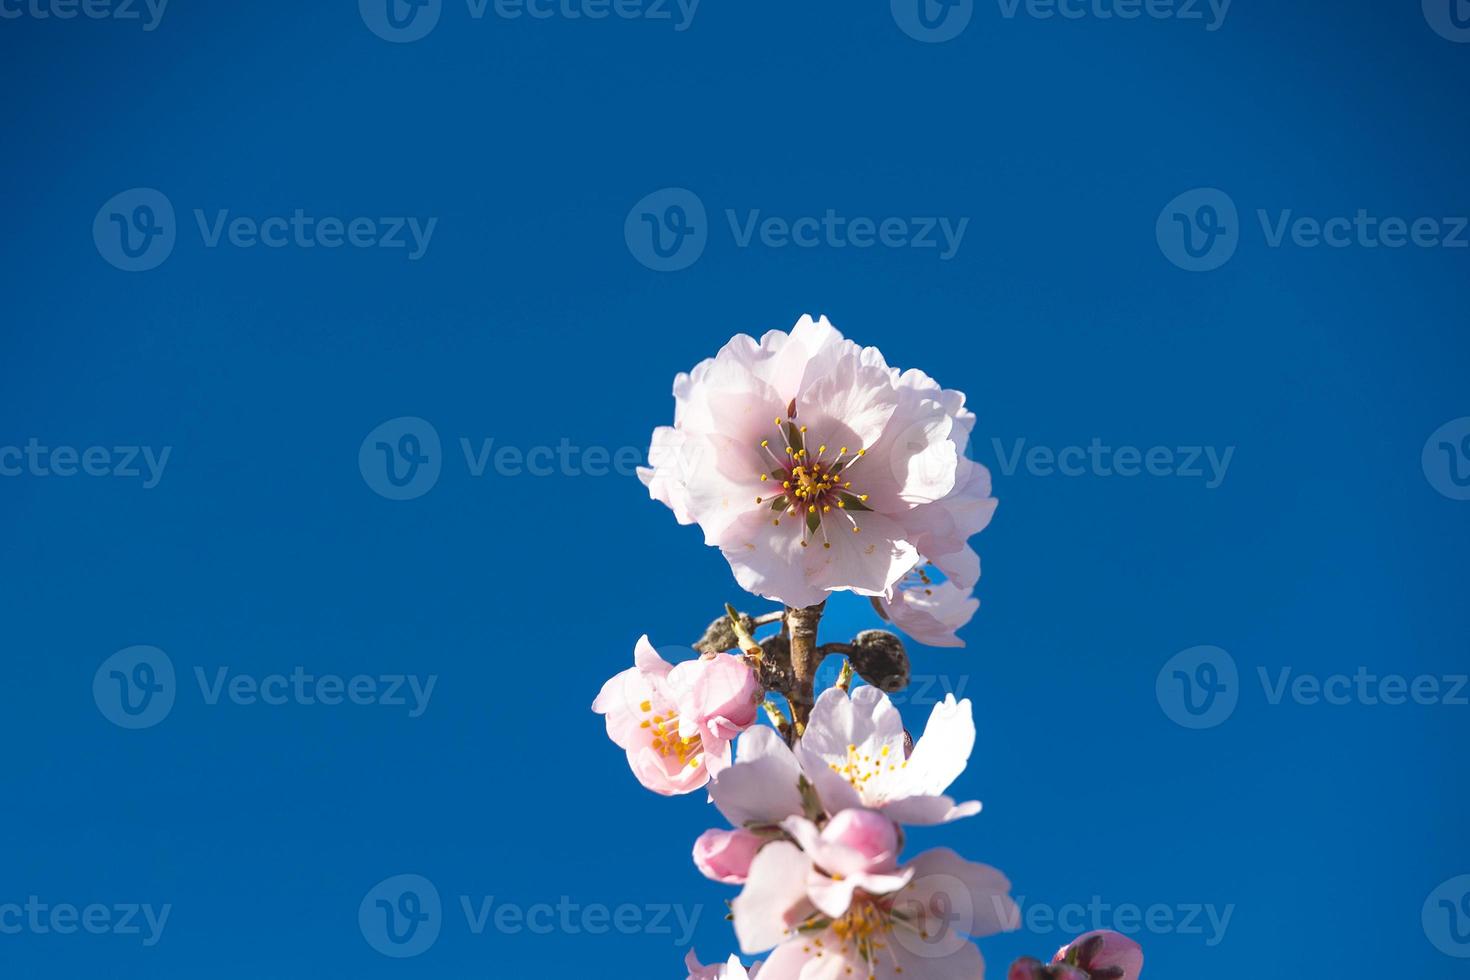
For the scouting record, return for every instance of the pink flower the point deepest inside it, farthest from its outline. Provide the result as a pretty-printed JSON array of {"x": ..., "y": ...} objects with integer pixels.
[
  {"x": 857, "y": 851},
  {"x": 930, "y": 612},
  {"x": 916, "y": 931},
  {"x": 815, "y": 467},
  {"x": 763, "y": 787},
  {"x": 676, "y": 722},
  {"x": 719, "y": 694},
  {"x": 853, "y": 752},
  {"x": 725, "y": 855},
  {"x": 1104, "y": 955},
  {"x": 732, "y": 969}
]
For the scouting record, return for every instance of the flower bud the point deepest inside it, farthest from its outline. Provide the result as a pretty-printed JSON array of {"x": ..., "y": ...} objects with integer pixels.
[
  {"x": 867, "y": 832},
  {"x": 725, "y": 855},
  {"x": 1104, "y": 955},
  {"x": 1026, "y": 968},
  {"x": 719, "y": 694}
]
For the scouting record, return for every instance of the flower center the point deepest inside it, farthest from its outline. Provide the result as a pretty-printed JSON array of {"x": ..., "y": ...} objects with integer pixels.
[
  {"x": 859, "y": 767},
  {"x": 666, "y": 738},
  {"x": 864, "y": 933},
  {"x": 811, "y": 485}
]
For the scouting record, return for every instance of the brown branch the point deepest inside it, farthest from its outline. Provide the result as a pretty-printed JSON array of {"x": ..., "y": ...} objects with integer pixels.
[{"x": 805, "y": 658}]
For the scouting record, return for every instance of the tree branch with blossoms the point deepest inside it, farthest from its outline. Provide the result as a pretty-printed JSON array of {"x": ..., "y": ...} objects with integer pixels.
[{"x": 817, "y": 469}]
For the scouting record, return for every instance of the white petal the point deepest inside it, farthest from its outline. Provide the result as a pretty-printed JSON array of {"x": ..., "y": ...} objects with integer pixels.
[
  {"x": 762, "y": 786},
  {"x": 974, "y": 898},
  {"x": 774, "y": 899},
  {"x": 942, "y": 751}
]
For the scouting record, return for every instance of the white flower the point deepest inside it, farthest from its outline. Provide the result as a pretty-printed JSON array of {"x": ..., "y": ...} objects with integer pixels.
[
  {"x": 916, "y": 929},
  {"x": 929, "y": 611},
  {"x": 731, "y": 969},
  {"x": 815, "y": 467},
  {"x": 853, "y": 752}
]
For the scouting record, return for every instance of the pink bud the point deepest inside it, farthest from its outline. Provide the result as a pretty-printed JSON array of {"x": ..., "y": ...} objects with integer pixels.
[
  {"x": 1026, "y": 968},
  {"x": 725, "y": 855},
  {"x": 867, "y": 832},
  {"x": 718, "y": 693},
  {"x": 1104, "y": 952}
]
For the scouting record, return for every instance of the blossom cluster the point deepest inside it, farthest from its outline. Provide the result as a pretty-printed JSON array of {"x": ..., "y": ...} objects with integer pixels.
[{"x": 816, "y": 468}]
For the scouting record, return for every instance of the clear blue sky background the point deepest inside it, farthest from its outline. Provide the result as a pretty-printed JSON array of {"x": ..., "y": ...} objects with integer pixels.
[{"x": 529, "y": 320}]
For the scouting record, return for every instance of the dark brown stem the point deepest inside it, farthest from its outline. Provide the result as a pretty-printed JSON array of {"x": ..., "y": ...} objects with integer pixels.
[{"x": 805, "y": 658}]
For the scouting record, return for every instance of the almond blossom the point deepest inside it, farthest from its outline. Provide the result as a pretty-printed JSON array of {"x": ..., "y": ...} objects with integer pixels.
[
  {"x": 815, "y": 467},
  {"x": 929, "y": 611},
  {"x": 916, "y": 931},
  {"x": 725, "y": 855},
  {"x": 676, "y": 722},
  {"x": 853, "y": 751},
  {"x": 1104, "y": 954},
  {"x": 731, "y": 969}
]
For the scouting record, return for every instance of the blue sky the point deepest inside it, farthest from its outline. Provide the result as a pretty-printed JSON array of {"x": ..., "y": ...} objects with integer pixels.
[{"x": 1201, "y": 271}]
